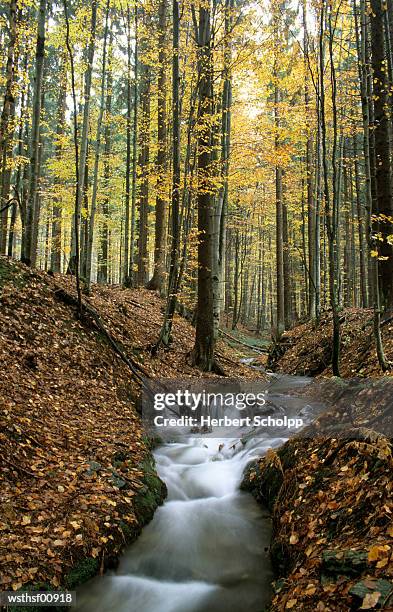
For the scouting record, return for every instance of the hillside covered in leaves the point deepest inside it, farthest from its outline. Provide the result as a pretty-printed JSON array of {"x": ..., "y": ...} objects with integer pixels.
[
  {"x": 330, "y": 493},
  {"x": 77, "y": 476},
  {"x": 306, "y": 349}
]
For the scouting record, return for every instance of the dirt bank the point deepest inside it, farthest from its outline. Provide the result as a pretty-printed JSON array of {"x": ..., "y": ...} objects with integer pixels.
[
  {"x": 330, "y": 493},
  {"x": 306, "y": 349},
  {"x": 77, "y": 475}
]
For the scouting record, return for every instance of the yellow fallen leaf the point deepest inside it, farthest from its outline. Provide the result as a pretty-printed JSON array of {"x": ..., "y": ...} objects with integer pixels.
[
  {"x": 74, "y": 524},
  {"x": 377, "y": 552},
  {"x": 370, "y": 601},
  {"x": 294, "y": 539},
  {"x": 310, "y": 589},
  {"x": 291, "y": 603},
  {"x": 26, "y": 520}
]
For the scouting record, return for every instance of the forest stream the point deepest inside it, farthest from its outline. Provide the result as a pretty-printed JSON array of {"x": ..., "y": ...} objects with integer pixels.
[{"x": 206, "y": 549}]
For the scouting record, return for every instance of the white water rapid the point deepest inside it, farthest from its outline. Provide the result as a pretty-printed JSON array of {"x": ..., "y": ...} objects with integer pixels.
[{"x": 206, "y": 547}]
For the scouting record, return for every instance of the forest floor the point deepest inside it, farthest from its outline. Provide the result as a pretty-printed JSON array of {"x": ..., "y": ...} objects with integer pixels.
[
  {"x": 306, "y": 349},
  {"x": 331, "y": 499},
  {"x": 77, "y": 478},
  {"x": 330, "y": 490}
]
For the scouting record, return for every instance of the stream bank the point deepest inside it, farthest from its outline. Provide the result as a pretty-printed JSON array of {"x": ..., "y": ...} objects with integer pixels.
[
  {"x": 77, "y": 474},
  {"x": 330, "y": 493},
  {"x": 206, "y": 549}
]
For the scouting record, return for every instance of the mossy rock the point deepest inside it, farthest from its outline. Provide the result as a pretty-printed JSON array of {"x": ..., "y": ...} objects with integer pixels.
[
  {"x": 264, "y": 483},
  {"x": 152, "y": 441},
  {"x": 264, "y": 480},
  {"x": 151, "y": 495},
  {"x": 368, "y": 587},
  {"x": 82, "y": 572},
  {"x": 344, "y": 562}
]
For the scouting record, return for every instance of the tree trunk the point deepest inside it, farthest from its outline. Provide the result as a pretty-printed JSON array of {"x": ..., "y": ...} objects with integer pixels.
[
  {"x": 6, "y": 124},
  {"x": 222, "y": 199},
  {"x": 144, "y": 161},
  {"x": 126, "y": 263},
  {"x": 331, "y": 211},
  {"x": 32, "y": 220},
  {"x": 384, "y": 201},
  {"x": 57, "y": 210},
  {"x": 174, "y": 274},
  {"x": 85, "y": 126},
  {"x": 203, "y": 352},
  {"x": 93, "y": 207},
  {"x": 131, "y": 275},
  {"x": 103, "y": 266},
  {"x": 157, "y": 280}
]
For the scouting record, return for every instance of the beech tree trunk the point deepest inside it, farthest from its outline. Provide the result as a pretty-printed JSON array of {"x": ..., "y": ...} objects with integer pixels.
[
  {"x": 32, "y": 219},
  {"x": 6, "y": 125},
  {"x": 144, "y": 161},
  {"x": 174, "y": 274},
  {"x": 203, "y": 352},
  {"x": 103, "y": 262},
  {"x": 158, "y": 278},
  {"x": 57, "y": 211},
  {"x": 84, "y": 141},
  {"x": 93, "y": 207},
  {"x": 384, "y": 202}
]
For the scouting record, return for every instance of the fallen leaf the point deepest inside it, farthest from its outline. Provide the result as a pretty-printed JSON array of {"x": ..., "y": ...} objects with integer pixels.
[{"x": 370, "y": 600}]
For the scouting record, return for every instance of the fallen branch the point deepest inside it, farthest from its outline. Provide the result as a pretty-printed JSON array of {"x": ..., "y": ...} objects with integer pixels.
[
  {"x": 89, "y": 311},
  {"x": 253, "y": 348}
]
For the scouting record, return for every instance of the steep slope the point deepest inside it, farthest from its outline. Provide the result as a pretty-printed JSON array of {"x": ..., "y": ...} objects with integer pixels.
[{"x": 77, "y": 477}]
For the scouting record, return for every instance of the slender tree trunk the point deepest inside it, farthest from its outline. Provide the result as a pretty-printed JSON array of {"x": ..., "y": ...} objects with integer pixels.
[
  {"x": 32, "y": 220},
  {"x": 85, "y": 127},
  {"x": 361, "y": 233},
  {"x": 76, "y": 148},
  {"x": 93, "y": 207},
  {"x": 126, "y": 263},
  {"x": 144, "y": 167},
  {"x": 365, "y": 86},
  {"x": 287, "y": 269},
  {"x": 103, "y": 264},
  {"x": 131, "y": 275},
  {"x": 173, "y": 281},
  {"x": 311, "y": 220},
  {"x": 222, "y": 199},
  {"x": 157, "y": 280},
  {"x": 384, "y": 202},
  {"x": 330, "y": 208},
  {"x": 57, "y": 210},
  {"x": 280, "y": 284},
  {"x": 203, "y": 352},
  {"x": 6, "y": 124}
]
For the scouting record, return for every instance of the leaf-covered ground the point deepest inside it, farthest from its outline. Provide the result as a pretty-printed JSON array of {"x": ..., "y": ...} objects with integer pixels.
[
  {"x": 306, "y": 349},
  {"x": 76, "y": 481},
  {"x": 331, "y": 497}
]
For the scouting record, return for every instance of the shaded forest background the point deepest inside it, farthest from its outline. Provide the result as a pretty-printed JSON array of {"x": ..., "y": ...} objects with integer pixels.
[{"x": 235, "y": 156}]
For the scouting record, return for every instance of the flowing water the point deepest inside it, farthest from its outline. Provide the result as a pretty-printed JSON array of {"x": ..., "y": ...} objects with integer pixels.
[{"x": 206, "y": 547}]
